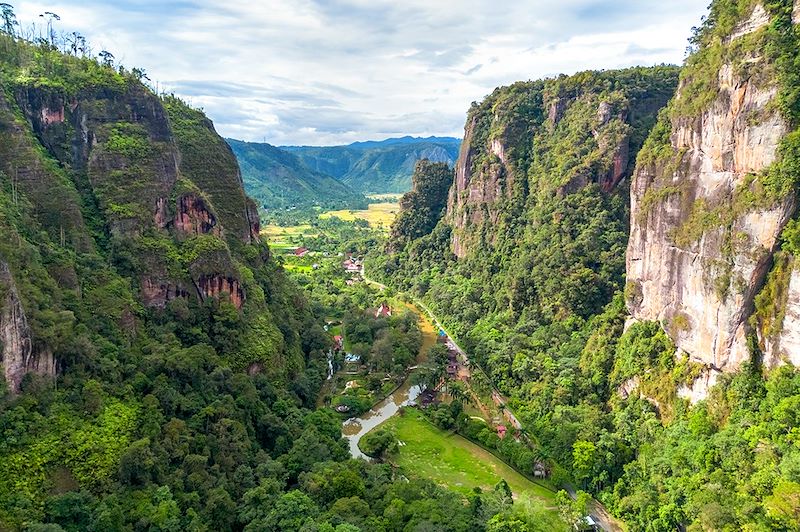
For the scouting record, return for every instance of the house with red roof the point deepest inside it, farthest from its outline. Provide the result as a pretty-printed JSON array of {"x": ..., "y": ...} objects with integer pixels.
[
  {"x": 383, "y": 311},
  {"x": 351, "y": 265},
  {"x": 301, "y": 252}
]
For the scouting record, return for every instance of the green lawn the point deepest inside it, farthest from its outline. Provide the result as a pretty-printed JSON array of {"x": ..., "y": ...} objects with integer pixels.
[
  {"x": 377, "y": 214},
  {"x": 453, "y": 461}
]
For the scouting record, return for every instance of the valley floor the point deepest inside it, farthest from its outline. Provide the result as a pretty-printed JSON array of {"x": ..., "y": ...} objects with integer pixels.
[{"x": 455, "y": 462}]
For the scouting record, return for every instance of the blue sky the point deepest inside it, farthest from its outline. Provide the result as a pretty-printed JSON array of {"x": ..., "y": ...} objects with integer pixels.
[{"x": 333, "y": 72}]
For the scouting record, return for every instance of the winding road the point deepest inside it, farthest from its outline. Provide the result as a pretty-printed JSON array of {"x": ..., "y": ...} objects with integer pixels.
[
  {"x": 497, "y": 397},
  {"x": 598, "y": 512}
]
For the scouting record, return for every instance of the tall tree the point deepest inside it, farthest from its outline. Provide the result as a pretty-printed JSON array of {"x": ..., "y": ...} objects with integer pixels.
[
  {"x": 9, "y": 19},
  {"x": 49, "y": 16}
]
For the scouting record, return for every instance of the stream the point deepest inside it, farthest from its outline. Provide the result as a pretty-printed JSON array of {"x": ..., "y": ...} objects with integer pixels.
[{"x": 353, "y": 429}]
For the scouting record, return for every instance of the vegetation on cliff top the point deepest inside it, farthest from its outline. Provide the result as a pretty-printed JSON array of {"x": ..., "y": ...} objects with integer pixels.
[{"x": 423, "y": 207}]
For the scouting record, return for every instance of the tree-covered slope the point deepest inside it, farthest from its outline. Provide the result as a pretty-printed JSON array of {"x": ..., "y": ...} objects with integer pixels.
[
  {"x": 160, "y": 370},
  {"x": 528, "y": 269},
  {"x": 378, "y": 167},
  {"x": 130, "y": 271},
  {"x": 279, "y": 179},
  {"x": 423, "y": 206}
]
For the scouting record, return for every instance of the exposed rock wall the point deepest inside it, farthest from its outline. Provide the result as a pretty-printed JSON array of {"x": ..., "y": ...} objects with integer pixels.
[
  {"x": 192, "y": 217},
  {"x": 777, "y": 317},
  {"x": 157, "y": 292},
  {"x": 455, "y": 211},
  {"x": 549, "y": 138},
  {"x": 218, "y": 287},
  {"x": 786, "y": 346},
  {"x": 702, "y": 232},
  {"x": 699, "y": 280},
  {"x": 16, "y": 344}
]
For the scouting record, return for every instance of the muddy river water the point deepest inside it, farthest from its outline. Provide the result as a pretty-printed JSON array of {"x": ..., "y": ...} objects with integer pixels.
[{"x": 354, "y": 428}]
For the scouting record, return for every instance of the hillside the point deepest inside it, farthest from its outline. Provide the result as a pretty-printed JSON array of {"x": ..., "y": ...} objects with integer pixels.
[
  {"x": 277, "y": 179},
  {"x": 527, "y": 261},
  {"x": 652, "y": 401},
  {"x": 160, "y": 369},
  {"x": 133, "y": 276},
  {"x": 377, "y": 167},
  {"x": 596, "y": 291}
]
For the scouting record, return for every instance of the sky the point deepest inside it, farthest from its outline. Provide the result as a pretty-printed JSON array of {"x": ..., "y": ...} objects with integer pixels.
[{"x": 315, "y": 72}]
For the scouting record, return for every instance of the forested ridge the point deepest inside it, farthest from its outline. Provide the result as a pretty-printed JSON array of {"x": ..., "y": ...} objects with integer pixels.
[
  {"x": 376, "y": 167},
  {"x": 161, "y": 368},
  {"x": 164, "y": 369},
  {"x": 526, "y": 264},
  {"x": 279, "y": 180}
]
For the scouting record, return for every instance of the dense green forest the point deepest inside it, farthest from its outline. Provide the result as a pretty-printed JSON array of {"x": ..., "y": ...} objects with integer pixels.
[
  {"x": 537, "y": 294},
  {"x": 161, "y": 368},
  {"x": 377, "y": 167},
  {"x": 279, "y": 180}
]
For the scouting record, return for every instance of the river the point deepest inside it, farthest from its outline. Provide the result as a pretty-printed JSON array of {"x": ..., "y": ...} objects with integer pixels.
[{"x": 354, "y": 428}]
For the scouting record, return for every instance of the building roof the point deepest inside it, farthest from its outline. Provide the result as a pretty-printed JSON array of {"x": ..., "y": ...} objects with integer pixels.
[{"x": 351, "y": 265}]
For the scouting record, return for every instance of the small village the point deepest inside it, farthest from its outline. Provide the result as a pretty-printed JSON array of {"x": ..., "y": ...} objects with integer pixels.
[
  {"x": 385, "y": 346},
  {"x": 349, "y": 364}
]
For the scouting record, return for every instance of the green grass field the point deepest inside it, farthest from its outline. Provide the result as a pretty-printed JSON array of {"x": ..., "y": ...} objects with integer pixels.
[
  {"x": 280, "y": 231},
  {"x": 377, "y": 214},
  {"x": 455, "y": 462}
]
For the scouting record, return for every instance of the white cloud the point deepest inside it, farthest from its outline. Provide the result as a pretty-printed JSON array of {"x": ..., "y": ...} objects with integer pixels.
[{"x": 335, "y": 71}]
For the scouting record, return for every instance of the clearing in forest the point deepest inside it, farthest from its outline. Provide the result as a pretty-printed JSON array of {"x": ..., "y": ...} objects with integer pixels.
[{"x": 449, "y": 459}]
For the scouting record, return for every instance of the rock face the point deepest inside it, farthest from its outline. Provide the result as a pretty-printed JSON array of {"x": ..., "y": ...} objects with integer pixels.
[
  {"x": 158, "y": 292},
  {"x": 703, "y": 232},
  {"x": 192, "y": 216},
  {"x": 545, "y": 138},
  {"x": 149, "y": 176},
  {"x": 786, "y": 346},
  {"x": 777, "y": 317},
  {"x": 218, "y": 287},
  {"x": 19, "y": 356}
]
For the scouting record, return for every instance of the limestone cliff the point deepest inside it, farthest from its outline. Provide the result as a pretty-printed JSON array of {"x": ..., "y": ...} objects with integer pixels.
[
  {"x": 19, "y": 353},
  {"x": 552, "y": 137},
  {"x": 104, "y": 178},
  {"x": 714, "y": 188},
  {"x": 149, "y": 164}
]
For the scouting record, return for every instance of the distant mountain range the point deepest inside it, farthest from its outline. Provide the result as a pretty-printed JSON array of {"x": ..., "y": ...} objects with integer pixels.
[
  {"x": 375, "y": 167},
  {"x": 277, "y": 179},
  {"x": 335, "y": 177}
]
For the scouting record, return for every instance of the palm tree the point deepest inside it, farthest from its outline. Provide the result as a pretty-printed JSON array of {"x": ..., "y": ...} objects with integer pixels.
[{"x": 459, "y": 392}]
